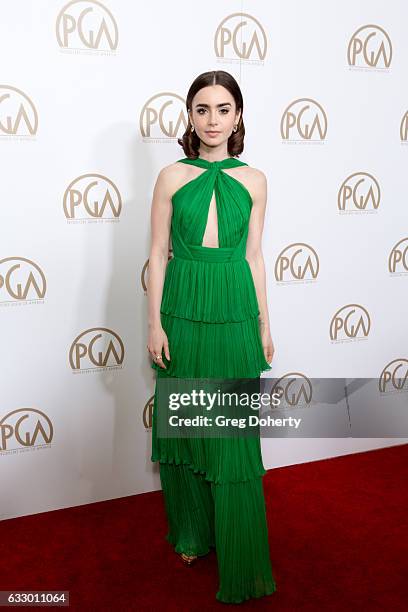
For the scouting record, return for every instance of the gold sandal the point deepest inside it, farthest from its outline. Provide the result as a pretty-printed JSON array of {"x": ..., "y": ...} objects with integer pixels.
[{"x": 187, "y": 559}]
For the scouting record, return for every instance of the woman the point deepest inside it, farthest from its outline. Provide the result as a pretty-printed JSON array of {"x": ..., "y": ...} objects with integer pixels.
[{"x": 208, "y": 317}]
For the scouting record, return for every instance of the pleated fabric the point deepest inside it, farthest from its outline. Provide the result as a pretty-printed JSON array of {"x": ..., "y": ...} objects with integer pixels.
[
  {"x": 230, "y": 517},
  {"x": 209, "y": 310}
]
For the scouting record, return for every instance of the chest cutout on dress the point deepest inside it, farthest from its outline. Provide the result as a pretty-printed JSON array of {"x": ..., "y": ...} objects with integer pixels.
[
  {"x": 212, "y": 208},
  {"x": 210, "y": 237}
]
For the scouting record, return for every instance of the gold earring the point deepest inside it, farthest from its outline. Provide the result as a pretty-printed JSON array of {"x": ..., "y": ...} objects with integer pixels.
[{"x": 192, "y": 128}]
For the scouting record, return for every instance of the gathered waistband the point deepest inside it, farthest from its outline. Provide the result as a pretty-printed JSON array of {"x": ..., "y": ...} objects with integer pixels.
[{"x": 212, "y": 255}]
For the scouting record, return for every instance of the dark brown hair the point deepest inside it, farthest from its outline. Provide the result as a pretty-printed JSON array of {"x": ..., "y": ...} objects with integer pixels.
[{"x": 190, "y": 141}]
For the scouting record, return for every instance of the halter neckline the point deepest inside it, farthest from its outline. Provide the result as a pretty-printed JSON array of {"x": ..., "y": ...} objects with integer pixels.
[
  {"x": 217, "y": 161},
  {"x": 227, "y": 162}
]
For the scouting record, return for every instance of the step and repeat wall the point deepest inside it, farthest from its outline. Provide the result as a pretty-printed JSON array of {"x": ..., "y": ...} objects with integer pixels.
[{"x": 92, "y": 101}]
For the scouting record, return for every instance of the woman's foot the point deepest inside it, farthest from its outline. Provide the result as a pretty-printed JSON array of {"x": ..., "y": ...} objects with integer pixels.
[{"x": 188, "y": 559}]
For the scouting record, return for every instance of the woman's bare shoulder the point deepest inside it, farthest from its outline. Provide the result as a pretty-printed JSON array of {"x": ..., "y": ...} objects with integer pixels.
[
  {"x": 256, "y": 182},
  {"x": 253, "y": 179},
  {"x": 170, "y": 176},
  {"x": 172, "y": 169},
  {"x": 255, "y": 173}
]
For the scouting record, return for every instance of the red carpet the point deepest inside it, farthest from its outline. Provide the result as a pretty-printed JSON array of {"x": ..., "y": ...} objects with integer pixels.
[{"x": 337, "y": 529}]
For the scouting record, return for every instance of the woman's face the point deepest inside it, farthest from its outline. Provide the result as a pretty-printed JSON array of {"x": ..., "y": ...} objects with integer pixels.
[{"x": 213, "y": 114}]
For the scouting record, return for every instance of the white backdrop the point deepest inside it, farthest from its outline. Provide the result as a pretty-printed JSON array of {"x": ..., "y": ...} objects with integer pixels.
[{"x": 91, "y": 104}]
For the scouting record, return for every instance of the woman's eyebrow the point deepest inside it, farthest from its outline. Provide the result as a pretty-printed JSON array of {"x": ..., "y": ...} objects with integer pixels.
[{"x": 207, "y": 105}]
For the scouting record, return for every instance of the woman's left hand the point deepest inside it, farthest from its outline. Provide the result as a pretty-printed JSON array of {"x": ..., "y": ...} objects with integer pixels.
[{"x": 267, "y": 344}]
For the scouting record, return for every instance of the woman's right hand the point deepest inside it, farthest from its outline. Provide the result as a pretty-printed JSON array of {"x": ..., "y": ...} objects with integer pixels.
[{"x": 156, "y": 343}]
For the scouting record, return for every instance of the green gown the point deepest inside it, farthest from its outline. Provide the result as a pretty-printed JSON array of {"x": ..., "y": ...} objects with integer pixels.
[{"x": 209, "y": 310}]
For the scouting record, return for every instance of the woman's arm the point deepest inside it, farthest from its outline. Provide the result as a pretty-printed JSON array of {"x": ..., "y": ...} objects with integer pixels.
[
  {"x": 255, "y": 258},
  {"x": 161, "y": 212}
]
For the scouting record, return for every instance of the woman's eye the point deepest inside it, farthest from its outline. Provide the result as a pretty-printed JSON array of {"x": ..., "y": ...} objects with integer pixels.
[{"x": 224, "y": 111}]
